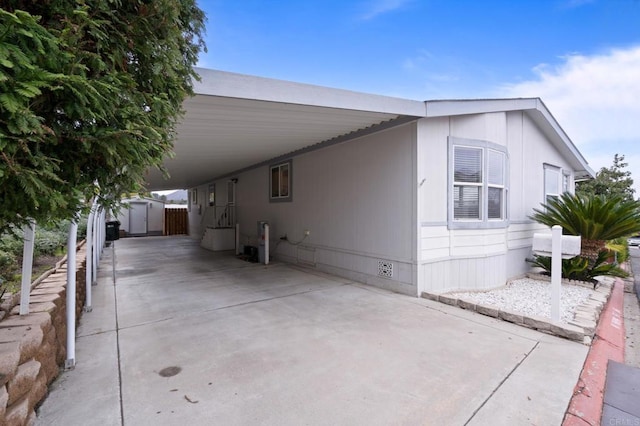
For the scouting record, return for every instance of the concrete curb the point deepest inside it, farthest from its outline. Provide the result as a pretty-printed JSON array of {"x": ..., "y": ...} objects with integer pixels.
[{"x": 585, "y": 407}]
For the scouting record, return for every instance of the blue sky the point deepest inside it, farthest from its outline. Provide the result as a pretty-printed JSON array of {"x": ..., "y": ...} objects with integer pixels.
[{"x": 582, "y": 57}]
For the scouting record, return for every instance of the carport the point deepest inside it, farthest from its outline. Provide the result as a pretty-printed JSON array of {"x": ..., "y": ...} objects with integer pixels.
[
  {"x": 238, "y": 121},
  {"x": 190, "y": 336}
]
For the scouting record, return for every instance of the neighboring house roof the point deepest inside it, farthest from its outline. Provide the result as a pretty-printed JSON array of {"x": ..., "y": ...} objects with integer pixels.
[
  {"x": 238, "y": 121},
  {"x": 138, "y": 198}
]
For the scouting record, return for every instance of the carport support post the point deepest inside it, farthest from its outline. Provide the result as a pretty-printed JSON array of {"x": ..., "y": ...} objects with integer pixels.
[
  {"x": 89, "y": 267},
  {"x": 556, "y": 271},
  {"x": 70, "y": 363},
  {"x": 266, "y": 243},
  {"x": 237, "y": 239},
  {"x": 27, "y": 266},
  {"x": 113, "y": 263}
]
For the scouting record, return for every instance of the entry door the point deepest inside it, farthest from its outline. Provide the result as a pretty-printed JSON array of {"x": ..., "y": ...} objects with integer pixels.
[{"x": 138, "y": 219}]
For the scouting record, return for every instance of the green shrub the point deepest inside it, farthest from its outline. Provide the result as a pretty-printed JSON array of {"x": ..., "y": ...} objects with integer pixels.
[
  {"x": 8, "y": 265},
  {"x": 49, "y": 242},
  {"x": 581, "y": 268},
  {"x": 620, "y": 247}
]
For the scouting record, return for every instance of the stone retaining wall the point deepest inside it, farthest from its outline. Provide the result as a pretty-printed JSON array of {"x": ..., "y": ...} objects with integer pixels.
[{"x": 33, "y": 346}]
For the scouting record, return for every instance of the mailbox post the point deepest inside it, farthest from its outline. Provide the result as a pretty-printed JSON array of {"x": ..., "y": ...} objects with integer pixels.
[
  {"x": 556, "y": 271},
  {"x": 558, "y": 247}
]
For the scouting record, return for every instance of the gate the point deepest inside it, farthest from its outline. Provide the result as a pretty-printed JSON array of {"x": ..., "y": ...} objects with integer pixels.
[{"x": 176, "y": 221}]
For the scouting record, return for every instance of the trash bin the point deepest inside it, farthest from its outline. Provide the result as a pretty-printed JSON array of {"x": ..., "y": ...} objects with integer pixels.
[{"x": 113, "y": 230}]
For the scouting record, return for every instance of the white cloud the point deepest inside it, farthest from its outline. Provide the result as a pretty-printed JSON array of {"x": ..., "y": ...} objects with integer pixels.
[
  {"x": 379, "y": 7},
  {"x": 596, "y": 99}
]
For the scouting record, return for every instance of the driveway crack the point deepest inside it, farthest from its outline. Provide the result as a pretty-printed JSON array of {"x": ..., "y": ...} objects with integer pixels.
[{"x": 501, "y": 383}]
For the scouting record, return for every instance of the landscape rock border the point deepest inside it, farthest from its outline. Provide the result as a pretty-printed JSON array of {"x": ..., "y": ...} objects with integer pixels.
[
  {"x": 580, "y": 329},
  {"x": 33, "y": 346}
]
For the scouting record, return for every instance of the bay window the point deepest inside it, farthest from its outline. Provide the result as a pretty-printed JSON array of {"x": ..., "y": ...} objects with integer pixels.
[{"x": 478, "y": 184}]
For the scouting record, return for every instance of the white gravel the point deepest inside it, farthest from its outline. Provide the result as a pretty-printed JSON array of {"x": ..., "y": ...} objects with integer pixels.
[{"x": 530, "y": 297}]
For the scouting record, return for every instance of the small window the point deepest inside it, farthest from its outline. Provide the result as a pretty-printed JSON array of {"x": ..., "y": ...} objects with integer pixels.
[
  {"x": 280, "y": 182},
  {"x": 212, "y": 194},
  {"x": 551, "y": 182},
  {"x": 194, "y": 196},
  {"x": 566, "y": 182}
]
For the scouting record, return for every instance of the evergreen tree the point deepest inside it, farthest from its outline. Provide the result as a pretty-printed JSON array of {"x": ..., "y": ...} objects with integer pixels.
[
  {"x": 90, "y": 92},
  {"x": 610, "y": 182}
]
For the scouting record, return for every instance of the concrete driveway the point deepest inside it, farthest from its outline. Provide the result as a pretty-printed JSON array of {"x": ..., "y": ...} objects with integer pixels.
[{"x": 188, "y": 336}]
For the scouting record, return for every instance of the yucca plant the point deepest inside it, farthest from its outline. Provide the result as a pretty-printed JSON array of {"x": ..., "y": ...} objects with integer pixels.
[{"x": 595, "y": 218}]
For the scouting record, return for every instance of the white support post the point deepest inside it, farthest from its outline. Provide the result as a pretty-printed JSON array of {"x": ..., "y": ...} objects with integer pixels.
[
  {"x": 266, "y": 244},
  {"x": 71, "y": 297},
  {"x": 27, "y": 266},
  {"x": 88, "y": 304},
  {"x": 237, "y": 239},
  {"x": 99, "y": 227},
  {"x": 556, "y": 271}
]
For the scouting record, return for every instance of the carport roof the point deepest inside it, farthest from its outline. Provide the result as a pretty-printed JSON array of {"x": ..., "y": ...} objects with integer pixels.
[{"x": 236, "y": 121}]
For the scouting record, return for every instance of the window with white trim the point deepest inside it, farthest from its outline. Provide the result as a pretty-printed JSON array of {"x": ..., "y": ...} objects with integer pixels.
[
  {"x": 566, "y": 181},
  {"x": 551, "y": 182},
  {"x": 212, "y": 194},
  {"x": 478, "y": 184},
  {"x": 280, "y": 182}
]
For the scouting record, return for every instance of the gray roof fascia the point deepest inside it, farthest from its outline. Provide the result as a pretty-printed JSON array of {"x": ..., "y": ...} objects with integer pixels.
[
  {"x": 241, "y": 86},
  {"x": 442, "y": 108}
]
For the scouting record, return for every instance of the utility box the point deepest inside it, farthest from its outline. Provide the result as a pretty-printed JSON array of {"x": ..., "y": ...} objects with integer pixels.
[{"x": 112, "y": 230}]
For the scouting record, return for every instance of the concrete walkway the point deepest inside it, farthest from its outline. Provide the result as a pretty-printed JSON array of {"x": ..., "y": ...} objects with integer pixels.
[{"x": 187, "y": 336}]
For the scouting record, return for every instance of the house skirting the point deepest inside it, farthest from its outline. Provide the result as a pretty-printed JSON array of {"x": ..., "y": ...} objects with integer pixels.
[
  {"x": 473, "y": 273},
  {"x": 393, "y": 275}
]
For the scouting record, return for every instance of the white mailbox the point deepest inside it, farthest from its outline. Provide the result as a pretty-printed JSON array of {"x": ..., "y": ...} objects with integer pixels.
[
  {"x": 570, "y": 245},
  {"x": 556, "y": 246}
]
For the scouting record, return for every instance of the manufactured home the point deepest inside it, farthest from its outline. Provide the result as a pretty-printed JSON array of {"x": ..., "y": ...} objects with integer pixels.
[{"x": 401, "y": 194}]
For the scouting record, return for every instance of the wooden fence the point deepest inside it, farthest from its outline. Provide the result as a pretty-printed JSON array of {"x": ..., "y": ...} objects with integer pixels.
[{"x": 176, "y": 221}]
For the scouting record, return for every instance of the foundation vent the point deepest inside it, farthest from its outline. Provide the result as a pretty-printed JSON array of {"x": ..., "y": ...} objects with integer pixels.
[{"x": 385, "y": 269}]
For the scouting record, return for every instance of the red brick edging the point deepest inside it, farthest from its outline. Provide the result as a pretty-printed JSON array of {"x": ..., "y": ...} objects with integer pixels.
[{"x": 585, "y": 407}]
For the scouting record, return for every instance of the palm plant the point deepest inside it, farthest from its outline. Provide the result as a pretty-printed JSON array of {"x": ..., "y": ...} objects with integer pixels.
[
  {"x": 580, "y": 268},
  {"x": 595, "y": 218}
]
